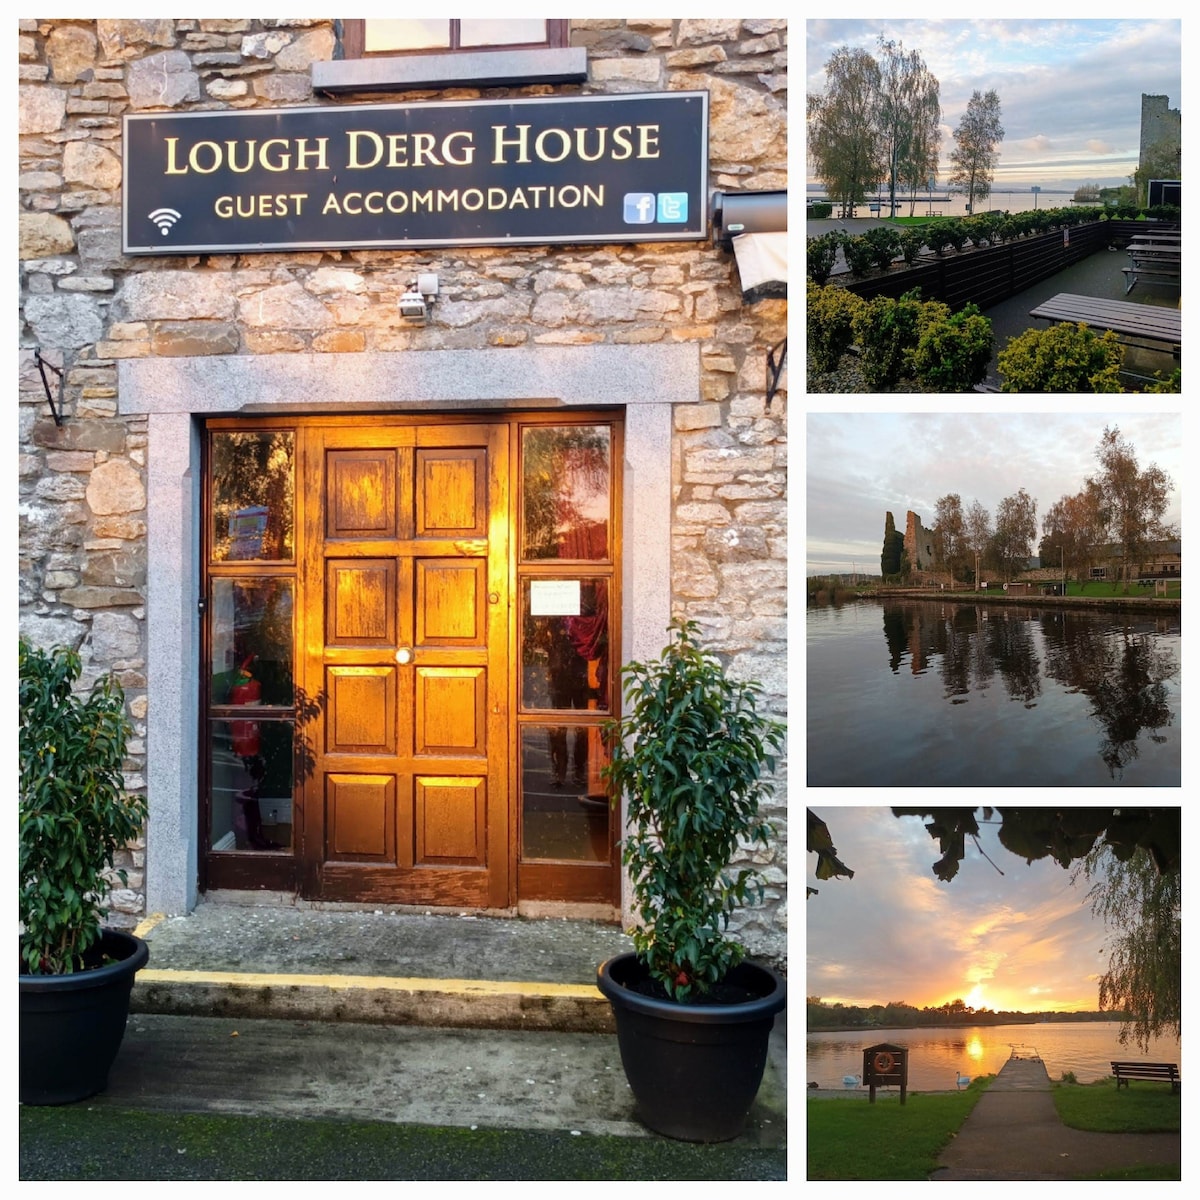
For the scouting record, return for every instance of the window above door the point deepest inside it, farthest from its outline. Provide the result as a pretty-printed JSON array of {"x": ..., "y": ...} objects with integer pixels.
[{"x": 398, "y": 55}]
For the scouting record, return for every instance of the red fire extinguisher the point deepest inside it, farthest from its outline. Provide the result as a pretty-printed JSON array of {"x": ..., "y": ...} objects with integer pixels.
[{"x": 246, "y": 690}]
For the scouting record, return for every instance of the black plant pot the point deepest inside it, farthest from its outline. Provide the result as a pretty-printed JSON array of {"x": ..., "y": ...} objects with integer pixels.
[
  {"x": 72, "y": 1025},
  {"x": 694, "y": 1068}
]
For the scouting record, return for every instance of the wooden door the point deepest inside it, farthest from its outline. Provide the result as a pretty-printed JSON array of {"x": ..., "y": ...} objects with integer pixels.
[{"x": 405, "y": 578}]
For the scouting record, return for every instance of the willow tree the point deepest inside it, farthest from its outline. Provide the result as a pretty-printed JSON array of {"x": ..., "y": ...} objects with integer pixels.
[
  {"x": 843, "y": 132},
  {"x": 1141, "y": 906}
]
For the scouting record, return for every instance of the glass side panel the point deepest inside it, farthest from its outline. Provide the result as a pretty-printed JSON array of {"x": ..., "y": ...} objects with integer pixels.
[
  {"x": 251, "y": 782},
  {"x": 503, "y": 32},
  {"x": 251, "y": 642},
  {"x": 565, "y": 807},
  {"x": 564, "y": 644},
  {"x": 566, "y": 473},
  {"x": 253, "y": 487},
  {"x": 381, "y": 36}
]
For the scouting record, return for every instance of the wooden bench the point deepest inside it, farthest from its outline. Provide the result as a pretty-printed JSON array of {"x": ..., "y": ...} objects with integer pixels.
[
  {"x": 1165, "y": 273},
  {"x": 1162, "y": 1072},
  {"x": 1153, "y": 322}
]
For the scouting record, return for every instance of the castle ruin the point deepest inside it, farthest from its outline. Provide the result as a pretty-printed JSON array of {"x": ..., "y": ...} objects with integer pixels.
[{"x": 918, "y": 544}]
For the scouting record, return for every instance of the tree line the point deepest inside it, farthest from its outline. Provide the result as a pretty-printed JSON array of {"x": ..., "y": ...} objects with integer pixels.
[
  {"x": 879, "y": 119},
  {"x": 1121, "y": 505},
  {"x": 902, "y": 1015}
]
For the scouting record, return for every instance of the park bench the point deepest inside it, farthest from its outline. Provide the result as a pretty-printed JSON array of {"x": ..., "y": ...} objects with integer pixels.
[{"x": 1163, "y": 1072}]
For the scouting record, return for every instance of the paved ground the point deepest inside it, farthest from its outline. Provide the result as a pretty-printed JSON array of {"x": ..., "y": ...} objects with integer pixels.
[
  {"x": 1014, "y": 1133},
  {"x": 359, "y": 1040}
]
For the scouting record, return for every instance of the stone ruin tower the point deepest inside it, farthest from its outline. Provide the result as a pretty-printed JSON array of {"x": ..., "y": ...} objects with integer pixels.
[
  {"x": 918, "y": 544},
  {"x": 1159, "y": 124}
]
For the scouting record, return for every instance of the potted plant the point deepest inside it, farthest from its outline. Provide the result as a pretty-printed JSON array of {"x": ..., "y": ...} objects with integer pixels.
[
  {"x": 75, "y": 977},
  {"x": 693, "y": 1015}
]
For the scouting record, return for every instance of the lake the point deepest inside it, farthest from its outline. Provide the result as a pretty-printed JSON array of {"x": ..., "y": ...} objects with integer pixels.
[
  {"x": 1013, "y": 201},
  {"x": 936, "y": 1056},
  {"x": 941, "y": 693}
]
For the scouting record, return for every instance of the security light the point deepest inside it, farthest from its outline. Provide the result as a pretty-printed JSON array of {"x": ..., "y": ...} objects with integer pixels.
[{"x": 414, "y": 304}]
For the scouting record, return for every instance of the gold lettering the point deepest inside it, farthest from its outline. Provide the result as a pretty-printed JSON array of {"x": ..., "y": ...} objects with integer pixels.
[
  {"x": 378, "y": 198},
  {"x": 521, "y": 142},
  {"x": 173, "y": 167},
  {"x": 564, "y": 142},
  {"x": 223, "y": 205},
  {"x": 581, "y": 133},
  {"x": 232, "y": 157},
  {"x": 353, "y": 162},
  {"x": 423, "y": 150},
  {"x": 397, "y": 150},
  {"x": 468, "y": 151},
  {"x": 303, "y": 153},
  {"x": 282, "y": 163},
  {"x": 621, "y": 138},
  {"x": 331, "y": 205},
  {"x": 647, "y": 137},
  {"x": 193, "y": 160}
]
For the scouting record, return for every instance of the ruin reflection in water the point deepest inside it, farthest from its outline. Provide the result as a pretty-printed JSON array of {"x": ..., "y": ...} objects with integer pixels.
[{"x": 917, "y": 693}]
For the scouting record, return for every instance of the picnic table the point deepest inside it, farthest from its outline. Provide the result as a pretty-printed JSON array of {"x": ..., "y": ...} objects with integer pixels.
[
  {"x": 1155, "y": 257},
  {"x": 1152, "y": 322}
]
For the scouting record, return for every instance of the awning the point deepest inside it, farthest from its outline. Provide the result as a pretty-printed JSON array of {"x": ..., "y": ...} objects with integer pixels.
[{"x": 762, "y": 258}]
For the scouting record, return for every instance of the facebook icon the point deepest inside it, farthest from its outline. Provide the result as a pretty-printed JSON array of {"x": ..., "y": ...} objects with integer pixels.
[{"x": 639, "y": 208}]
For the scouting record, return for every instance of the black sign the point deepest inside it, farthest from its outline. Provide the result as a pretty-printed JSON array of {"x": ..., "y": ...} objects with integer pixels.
[{"x": 484, "y": 172}]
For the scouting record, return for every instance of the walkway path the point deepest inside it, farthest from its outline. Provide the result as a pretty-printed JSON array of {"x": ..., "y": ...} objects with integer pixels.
[{"x": 1014, "y": 1132}]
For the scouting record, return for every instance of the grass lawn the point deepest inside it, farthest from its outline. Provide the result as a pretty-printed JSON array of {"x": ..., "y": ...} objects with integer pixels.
[
  {"x": 852, "y": 1139},
  {"x": 1142, "y": 1107},
  {"x": 1102, "y": 587}
]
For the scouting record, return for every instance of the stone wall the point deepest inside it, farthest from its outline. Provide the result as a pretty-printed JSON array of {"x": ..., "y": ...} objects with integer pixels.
[{"x": 85, "y": 306}]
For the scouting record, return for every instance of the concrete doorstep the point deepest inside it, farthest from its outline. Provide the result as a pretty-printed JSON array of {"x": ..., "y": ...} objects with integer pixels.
[{"x": 421, "y": 1019}]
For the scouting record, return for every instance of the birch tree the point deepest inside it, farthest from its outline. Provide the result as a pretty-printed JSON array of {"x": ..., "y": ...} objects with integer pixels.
[
  {"x": 975, "y": 153},
  {"x": 843, "y": 133}
]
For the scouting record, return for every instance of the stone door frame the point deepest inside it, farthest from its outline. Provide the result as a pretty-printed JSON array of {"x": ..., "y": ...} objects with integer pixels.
[{"x": 647, "y": 381}]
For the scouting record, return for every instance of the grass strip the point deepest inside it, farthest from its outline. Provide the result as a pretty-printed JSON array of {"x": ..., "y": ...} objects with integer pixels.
[
  {"x": 851, "y": 1139},
  {"x": 1142, "y": 1107},
  {"x": 76, "y": 1142}
]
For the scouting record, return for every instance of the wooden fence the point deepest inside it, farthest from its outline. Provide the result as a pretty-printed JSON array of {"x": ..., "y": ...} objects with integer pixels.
[{"x": 989, "y": 274}]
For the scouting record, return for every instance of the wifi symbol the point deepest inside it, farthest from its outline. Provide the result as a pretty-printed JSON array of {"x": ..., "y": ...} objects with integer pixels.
[{"x": 164, "y": 218}]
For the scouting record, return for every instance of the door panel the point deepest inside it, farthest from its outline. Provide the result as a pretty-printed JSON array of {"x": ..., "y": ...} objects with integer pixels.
[{"x": 407, "y": 559}]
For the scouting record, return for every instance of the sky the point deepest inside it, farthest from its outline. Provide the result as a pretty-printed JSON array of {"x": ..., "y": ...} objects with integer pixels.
[
  {"x": 1024, "y": 940},
  {"x": 1070, "y": 90},
  {"x": 863, "y": 465}
]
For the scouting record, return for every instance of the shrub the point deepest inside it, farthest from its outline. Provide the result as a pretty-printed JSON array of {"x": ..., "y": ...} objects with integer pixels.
[
  {"x": 940, "y": 234},
  {"x": 1173, "y": 382},
  {"x": 819, "y": 210},
  {"x": 822, "y": 254},
  {"x": 885, "y": 245},
  {"x": 689, "y": 757},
  {"x": 912, "y": 241},
  {"x": 1063, "y": 358},
  {"x": 830, "y": 316},
  {"x": 860, "y": 254},
  {"x": 952, "y": 354},
  {"x": 75, "y": 813},
  {"x": 887, "y": 329}
]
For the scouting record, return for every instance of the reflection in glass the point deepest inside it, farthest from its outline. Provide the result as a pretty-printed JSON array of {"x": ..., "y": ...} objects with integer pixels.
[
  {"x": 251, "y": 641},
  {"x": 427, "y": 33},
  {"x": 253, "y": 490},
  {"x": 506, "y": 31},
  {"x": 251, "y": 785},
  {"x": 564, "y": 644},
  {"x": 564, "y": 801},
  {"x": 565, "y": 480}
]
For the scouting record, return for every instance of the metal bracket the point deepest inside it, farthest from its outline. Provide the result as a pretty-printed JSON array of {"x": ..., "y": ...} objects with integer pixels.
[
  {"x": 42, "y": 364},
  {"x": 775, "y": 369}
]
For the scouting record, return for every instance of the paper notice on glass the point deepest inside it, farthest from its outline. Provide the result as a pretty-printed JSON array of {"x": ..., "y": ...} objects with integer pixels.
[{"x": 554, "y": 597}]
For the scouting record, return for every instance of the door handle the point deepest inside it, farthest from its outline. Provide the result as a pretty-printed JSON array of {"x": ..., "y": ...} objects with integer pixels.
[{"x": 404, "y": 655}]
